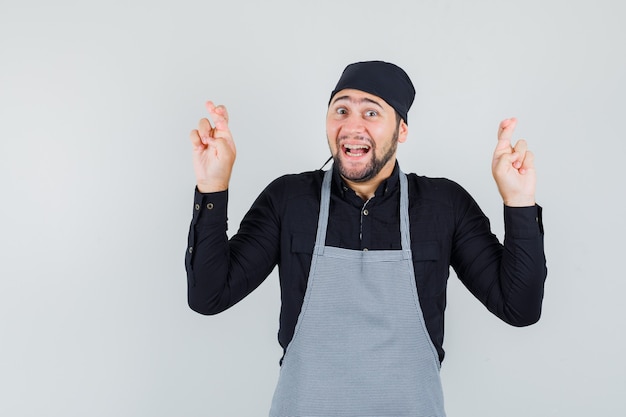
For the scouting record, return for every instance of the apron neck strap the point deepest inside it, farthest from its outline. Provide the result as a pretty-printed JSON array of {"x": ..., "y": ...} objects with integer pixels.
[{"x": 322, "y": 223}]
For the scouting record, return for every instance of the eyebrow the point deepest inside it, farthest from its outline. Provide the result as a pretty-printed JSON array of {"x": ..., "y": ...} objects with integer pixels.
[{"x": 362, "y": 100}]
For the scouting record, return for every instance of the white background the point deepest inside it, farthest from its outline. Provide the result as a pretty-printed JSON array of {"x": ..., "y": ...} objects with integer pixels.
[{"x": 96, "y": 103}]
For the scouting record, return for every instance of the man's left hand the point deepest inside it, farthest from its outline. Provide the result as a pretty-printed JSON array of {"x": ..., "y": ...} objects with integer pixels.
[{"x": 513, "y": 168}]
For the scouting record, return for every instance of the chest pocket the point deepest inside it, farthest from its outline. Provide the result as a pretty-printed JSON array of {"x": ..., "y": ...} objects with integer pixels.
[
  {"x": 302, "y": 243},
  {"x": 429, "y": 277}
]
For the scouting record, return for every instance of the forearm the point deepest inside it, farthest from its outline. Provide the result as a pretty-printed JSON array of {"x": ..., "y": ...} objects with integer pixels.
[
  {"x": 206, "y": 260},
  {"x": 523, "y": 266},
  {"x": 222, "y": 271},
  {"x": 508, "y": 279}
]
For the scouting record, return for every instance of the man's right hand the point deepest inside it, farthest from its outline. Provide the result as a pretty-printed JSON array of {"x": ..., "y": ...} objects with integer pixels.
[{"x": 213, "y": 151}]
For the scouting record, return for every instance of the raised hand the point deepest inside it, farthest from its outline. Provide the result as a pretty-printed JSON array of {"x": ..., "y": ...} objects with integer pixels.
[
  {"x": 214, "y": 150},
  {"x": 513, "y": 168}
]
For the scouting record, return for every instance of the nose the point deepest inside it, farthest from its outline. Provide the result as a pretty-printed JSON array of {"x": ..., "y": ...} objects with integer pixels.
[{"x": 353, "y": 124}]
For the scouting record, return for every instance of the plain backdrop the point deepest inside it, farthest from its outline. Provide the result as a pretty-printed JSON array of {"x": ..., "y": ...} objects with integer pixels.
[{"x": 96, "y": 103}]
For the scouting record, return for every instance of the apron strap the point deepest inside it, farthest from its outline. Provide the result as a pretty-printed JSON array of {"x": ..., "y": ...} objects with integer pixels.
[
  {"x": 322, "y": 222},
  {"x": 405, "y": 230}
]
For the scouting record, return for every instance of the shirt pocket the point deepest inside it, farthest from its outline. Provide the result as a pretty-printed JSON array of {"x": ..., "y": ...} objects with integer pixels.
[
  {"x": 429, "y": 278},
  {"x": 302, "y": 243}
]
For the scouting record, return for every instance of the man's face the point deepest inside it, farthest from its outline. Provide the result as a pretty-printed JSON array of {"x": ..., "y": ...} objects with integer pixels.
[{"x": 363, "y": 134}]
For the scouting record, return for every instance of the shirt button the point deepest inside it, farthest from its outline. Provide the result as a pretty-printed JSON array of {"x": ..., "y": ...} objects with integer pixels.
[
  {"x": 190, "y": 249},
  {"x": 197, "y": 206},
  {"x": 209, "y": 206},
  {"x": 366, "y": 212}
]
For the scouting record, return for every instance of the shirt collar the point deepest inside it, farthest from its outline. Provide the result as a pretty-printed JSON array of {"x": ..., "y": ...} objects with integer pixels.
[{"x": 385, "y": 188}]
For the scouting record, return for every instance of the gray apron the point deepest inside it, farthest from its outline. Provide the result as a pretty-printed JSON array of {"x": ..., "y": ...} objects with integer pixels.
[{"x": 360, "y": 346}]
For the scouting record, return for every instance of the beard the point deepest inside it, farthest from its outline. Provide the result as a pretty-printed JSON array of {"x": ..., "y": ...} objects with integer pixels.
[{"x": 373, "y": 167}]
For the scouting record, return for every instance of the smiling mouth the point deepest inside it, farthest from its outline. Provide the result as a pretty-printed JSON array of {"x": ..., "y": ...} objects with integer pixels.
[{"x": 355, "y": 150}]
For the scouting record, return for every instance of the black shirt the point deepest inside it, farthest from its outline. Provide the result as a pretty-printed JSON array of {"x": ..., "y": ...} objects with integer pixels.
[{"x": 447, "y": 229}]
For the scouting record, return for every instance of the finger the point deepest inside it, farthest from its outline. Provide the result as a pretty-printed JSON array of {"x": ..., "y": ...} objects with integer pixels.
[
  {"x": 528, "y": 164},
  {"x": 205, "y": 130},
  {"x": 519, "y": 153},
  {"x": 221, "y": 109},
  {"x": 505, "y": 133},
  {"x": 219, "y": 114},
  {"x": 506, "y": 128},
  {"x": 194, "y": 136}
]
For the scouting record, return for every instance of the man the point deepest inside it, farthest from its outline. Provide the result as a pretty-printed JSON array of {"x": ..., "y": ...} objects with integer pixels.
[{"x": 364, "y": 252}]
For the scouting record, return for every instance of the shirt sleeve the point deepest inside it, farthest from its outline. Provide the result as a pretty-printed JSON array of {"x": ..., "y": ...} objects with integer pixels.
[
  {"x": 507, "y": 278},
  {"x": 222, "y": 271}
]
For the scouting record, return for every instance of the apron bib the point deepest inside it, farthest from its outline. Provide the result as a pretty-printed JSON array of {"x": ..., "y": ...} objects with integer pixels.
[{"x": 360, "y": 347}]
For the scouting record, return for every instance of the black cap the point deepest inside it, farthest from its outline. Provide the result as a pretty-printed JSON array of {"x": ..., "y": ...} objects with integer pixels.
[{"x": 382, "y": 79}]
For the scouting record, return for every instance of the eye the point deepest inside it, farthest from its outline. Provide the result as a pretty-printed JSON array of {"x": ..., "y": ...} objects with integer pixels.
[
  {"x": 371, "y": 113},
  {"x": 341, "y": 110}
]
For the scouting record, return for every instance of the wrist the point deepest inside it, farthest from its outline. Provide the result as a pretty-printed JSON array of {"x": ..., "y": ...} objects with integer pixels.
[
  {"x": 519, "y": 202},
  {"x": 211, "y": 187}
]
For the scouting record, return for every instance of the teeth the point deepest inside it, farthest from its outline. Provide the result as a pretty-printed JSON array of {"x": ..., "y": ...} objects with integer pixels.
[
  {"x": 356, "y": 146},
  {"x": 356, "y": 150}
]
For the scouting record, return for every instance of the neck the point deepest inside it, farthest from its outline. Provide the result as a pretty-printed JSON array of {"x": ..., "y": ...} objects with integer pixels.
[{"x": 367, "y": 189}]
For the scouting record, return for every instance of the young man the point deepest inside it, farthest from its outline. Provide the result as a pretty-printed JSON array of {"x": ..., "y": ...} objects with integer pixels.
[{"x": 364, "y": 252}]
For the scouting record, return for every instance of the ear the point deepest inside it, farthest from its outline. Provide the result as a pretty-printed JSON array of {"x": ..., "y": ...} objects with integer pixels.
[{"x": 403, "y": 131}]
